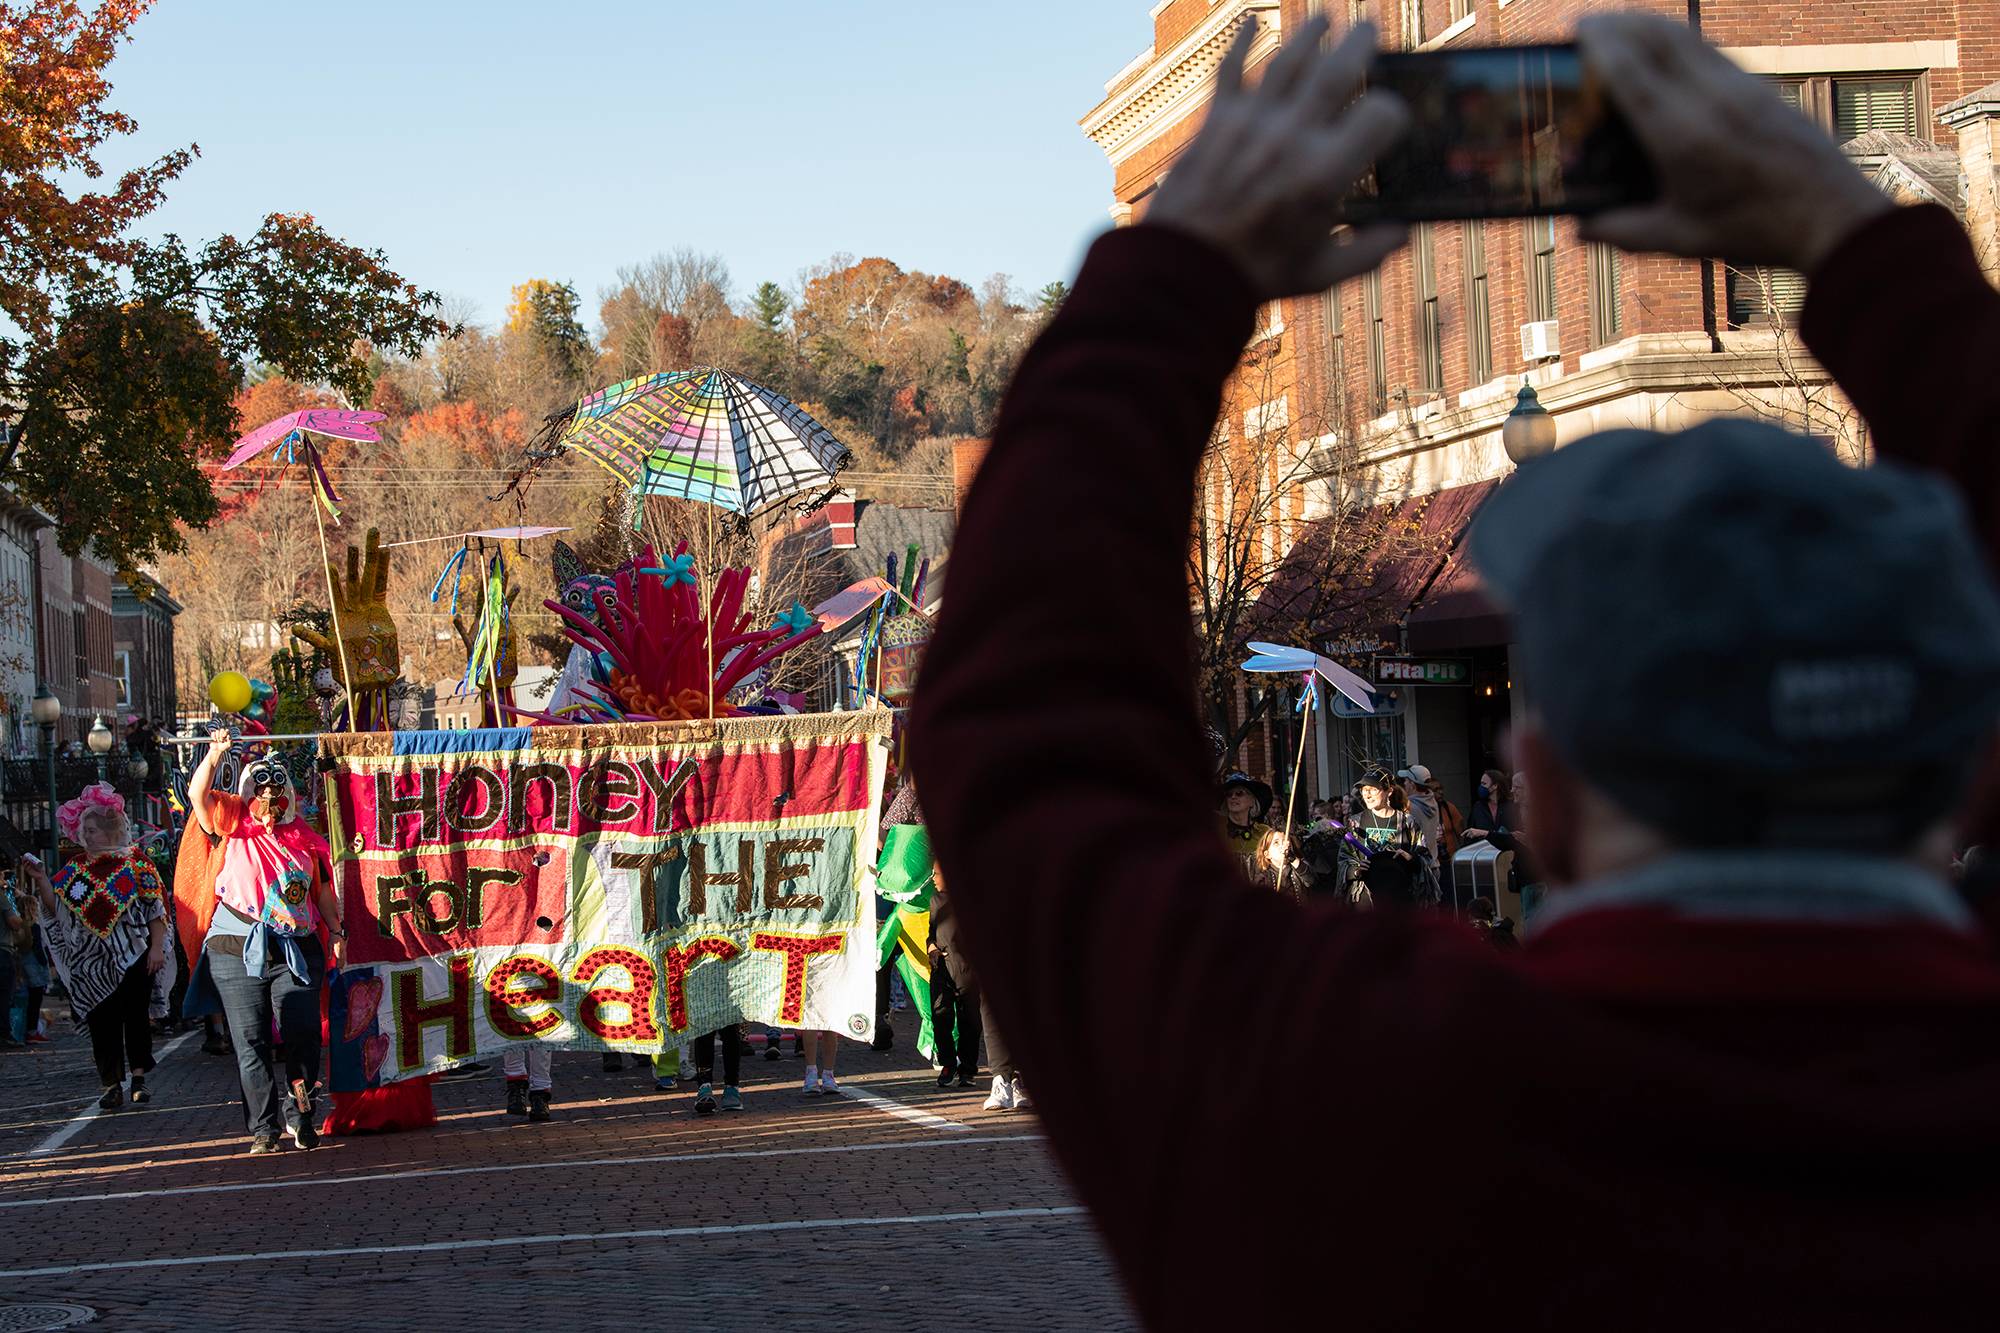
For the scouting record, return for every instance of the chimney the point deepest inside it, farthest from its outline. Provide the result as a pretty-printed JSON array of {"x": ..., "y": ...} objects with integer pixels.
[
  {"x": 1973, "y": 118},
  {"x": 966, "y": 456}
]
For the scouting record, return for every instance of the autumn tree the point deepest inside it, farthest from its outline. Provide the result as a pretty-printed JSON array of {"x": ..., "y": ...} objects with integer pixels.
[
  {"x": 1289, "y": 542},
  {"x": 124, "y": 355}
]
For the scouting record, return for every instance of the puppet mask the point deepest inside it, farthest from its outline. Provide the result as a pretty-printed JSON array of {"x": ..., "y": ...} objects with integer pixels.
[
  {"x": 266, "y": 787},
  {"x": 577, "y": 586}
]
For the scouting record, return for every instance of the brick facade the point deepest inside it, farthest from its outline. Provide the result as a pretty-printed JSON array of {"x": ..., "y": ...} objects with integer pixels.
[{"x": 1663, "y": 354}]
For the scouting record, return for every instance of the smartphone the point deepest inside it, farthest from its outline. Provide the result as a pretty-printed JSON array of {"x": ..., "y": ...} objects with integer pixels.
[{"x": 1501, "y": 131}]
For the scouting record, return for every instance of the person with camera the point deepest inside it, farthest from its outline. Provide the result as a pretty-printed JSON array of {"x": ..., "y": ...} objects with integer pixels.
[
  {"x": 1749, "y": 1077},
  {"x": 260, "y": 956}
]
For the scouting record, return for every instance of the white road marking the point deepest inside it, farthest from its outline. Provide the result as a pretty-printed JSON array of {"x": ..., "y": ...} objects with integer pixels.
[
  {"x": 64, "y": 1133},
  {"x": 888, "y": 1106},
  {"x": 319, "y": 1182},
  {"x": 503, "y": 1242}
]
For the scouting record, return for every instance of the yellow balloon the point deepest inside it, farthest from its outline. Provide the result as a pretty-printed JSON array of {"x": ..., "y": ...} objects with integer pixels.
[{"x": 230, "y": 692}]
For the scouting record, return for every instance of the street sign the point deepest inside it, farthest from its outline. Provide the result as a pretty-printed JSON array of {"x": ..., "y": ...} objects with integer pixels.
[
  {"x": 1386, "y": 705},
  {"x": 1422, "y": 671}
]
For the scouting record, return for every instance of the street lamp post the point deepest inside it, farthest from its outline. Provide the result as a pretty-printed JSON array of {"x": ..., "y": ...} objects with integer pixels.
[
  {"x": 100, "y": 741},
  {"x": 1529, "y": 431},
  {"x": 46, "y": 710}
]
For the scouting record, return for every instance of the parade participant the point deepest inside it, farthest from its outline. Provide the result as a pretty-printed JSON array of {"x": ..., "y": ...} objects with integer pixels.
[
  {"x": 732, "y": 1069},
  {"x": 955, "y": 1024},
  {"x": 1258, "y": 846},
  {"x": 822, "y": 1053},
  {"x": 1711, "y": 1098},
  {"x": 1384, "y": 860},
  {"x": 529, "y": 1069},
  {"x": 261, "y": 955},
  {"x": 106, "y": 917}
]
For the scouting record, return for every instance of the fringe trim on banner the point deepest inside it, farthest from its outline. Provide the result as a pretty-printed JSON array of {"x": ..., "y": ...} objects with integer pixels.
[{"x": 864, "y": 724}]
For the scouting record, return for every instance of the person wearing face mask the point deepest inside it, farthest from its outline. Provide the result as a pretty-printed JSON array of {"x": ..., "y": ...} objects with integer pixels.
[
  {"x": 261, "y": 955},
  {"x": 107, "y": 928}
]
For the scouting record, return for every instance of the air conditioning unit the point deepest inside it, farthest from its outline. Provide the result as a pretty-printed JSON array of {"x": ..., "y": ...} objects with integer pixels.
[{"x": 1541, "y": 340}]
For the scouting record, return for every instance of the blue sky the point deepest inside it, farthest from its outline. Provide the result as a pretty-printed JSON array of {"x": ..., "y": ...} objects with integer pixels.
[{"x": 482, "y": 144}]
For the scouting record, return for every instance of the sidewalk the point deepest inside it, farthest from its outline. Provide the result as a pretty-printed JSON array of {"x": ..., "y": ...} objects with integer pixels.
[{"x": 899, "y": 1205}]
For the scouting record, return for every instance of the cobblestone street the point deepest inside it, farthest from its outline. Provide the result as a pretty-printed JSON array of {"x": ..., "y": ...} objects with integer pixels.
[{"x": 894, "y": 1206}]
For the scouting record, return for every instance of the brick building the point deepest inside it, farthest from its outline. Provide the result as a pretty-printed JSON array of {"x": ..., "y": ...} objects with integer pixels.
[
  {"x": 143, "y": 650},
  {"x": 1394, "y": 388},
  {"x": 75, "y": 650}
]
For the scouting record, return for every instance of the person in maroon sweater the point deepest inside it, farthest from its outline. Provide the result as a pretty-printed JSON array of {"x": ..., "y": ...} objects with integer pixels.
[{"x": 1749, "y": 1089}]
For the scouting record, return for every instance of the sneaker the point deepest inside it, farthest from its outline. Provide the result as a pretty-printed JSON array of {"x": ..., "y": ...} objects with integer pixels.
[
  {"x": 885, "y": 1037},
  {"x": 538, "y": 1106},
  {"x": 965, "y": 1081},
  {"x": 665, "y": 1083},
  {"x": 811, "y": 1088},
  {"x": 944, "y": 1078},
  {"x": 1021, "y": 1102},
  {"x": 214, "y": 1045},
  {"x": 113, "y": 1098},
  {"x": 266, "y": 1143},
  {"x": 517, "y": 1096},
  {"x": 774, "y": 1049},
  {"x": 798, "y": 1048},
  {"x": 36, "y": 1039},
  {"x": 732, "y": 1100},
  {"x": 304, "y": 1133},
  {"x": 1002, "y": 1096},
  {"x": 139, "y": 1095},
  {"x": 472, "y": 1069},
  {"x": 704, "y": 1101},
  {"x": 827, "y": 1086}
]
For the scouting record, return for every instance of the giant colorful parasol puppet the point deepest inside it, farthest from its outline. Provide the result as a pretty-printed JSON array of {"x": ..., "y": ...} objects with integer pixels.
[{"x": 655, "y": 640}]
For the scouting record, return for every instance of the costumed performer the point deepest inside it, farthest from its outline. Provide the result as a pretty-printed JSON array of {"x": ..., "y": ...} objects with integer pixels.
[
  {"x": 1245, "y": 803},
  {"x": 106, "y": 923},
  {"x": 260, "y": 953}
]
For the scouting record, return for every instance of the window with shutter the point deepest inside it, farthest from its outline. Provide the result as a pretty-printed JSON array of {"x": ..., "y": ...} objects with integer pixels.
[
  {"x": 1541, "y": 233},
  {"x": 1430, "y": 322},
  {"x": 1478, "y": 306},
  {"x": 1861, "y": 105},
  {"x": 1378, "y": 344},
  {"x": 1760, "y": 296},
  {"x": 1607, "y": 318}
]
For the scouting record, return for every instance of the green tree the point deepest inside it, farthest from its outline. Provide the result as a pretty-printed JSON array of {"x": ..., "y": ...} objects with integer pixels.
[
  {"x": 129, "y": 353},
  {"x": 1050, "y": 298}
]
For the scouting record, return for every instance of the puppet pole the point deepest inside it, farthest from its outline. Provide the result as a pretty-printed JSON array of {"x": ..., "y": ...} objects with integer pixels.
[
  {"x": 333, "y": 609},
  {"x": 1292, "y": 796},
  {"x": 493, "y": 658},
  {"x": 708, "y": 610}
]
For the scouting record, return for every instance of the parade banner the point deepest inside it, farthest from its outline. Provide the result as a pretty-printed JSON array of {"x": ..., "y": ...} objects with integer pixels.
[{"x": 617, "y": 887}]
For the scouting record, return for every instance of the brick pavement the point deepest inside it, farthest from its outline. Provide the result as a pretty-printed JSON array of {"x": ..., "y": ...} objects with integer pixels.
[{"x": 825, "y": 1211}]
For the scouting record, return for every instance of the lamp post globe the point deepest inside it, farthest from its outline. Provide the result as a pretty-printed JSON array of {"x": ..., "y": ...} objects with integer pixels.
[
  {"x": 100, "y": 738},
  {"x": 1529, "y": 431},
  {"x": 46, "y": 710}
]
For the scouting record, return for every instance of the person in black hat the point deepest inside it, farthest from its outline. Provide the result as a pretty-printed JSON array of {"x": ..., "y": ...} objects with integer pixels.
[
  {"x": 1245, "y": 803},
  {"x": 1386, "y": 861}
]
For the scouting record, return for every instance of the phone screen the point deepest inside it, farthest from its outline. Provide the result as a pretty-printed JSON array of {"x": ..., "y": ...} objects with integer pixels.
[{"x": 1502, "y": 131}]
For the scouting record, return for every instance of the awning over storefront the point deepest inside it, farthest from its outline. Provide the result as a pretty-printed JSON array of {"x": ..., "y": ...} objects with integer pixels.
[{"x": 1413, "y": 547}]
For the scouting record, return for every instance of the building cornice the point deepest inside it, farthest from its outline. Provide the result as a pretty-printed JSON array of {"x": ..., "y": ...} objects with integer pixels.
[{"x": 1176, "y": 82}]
